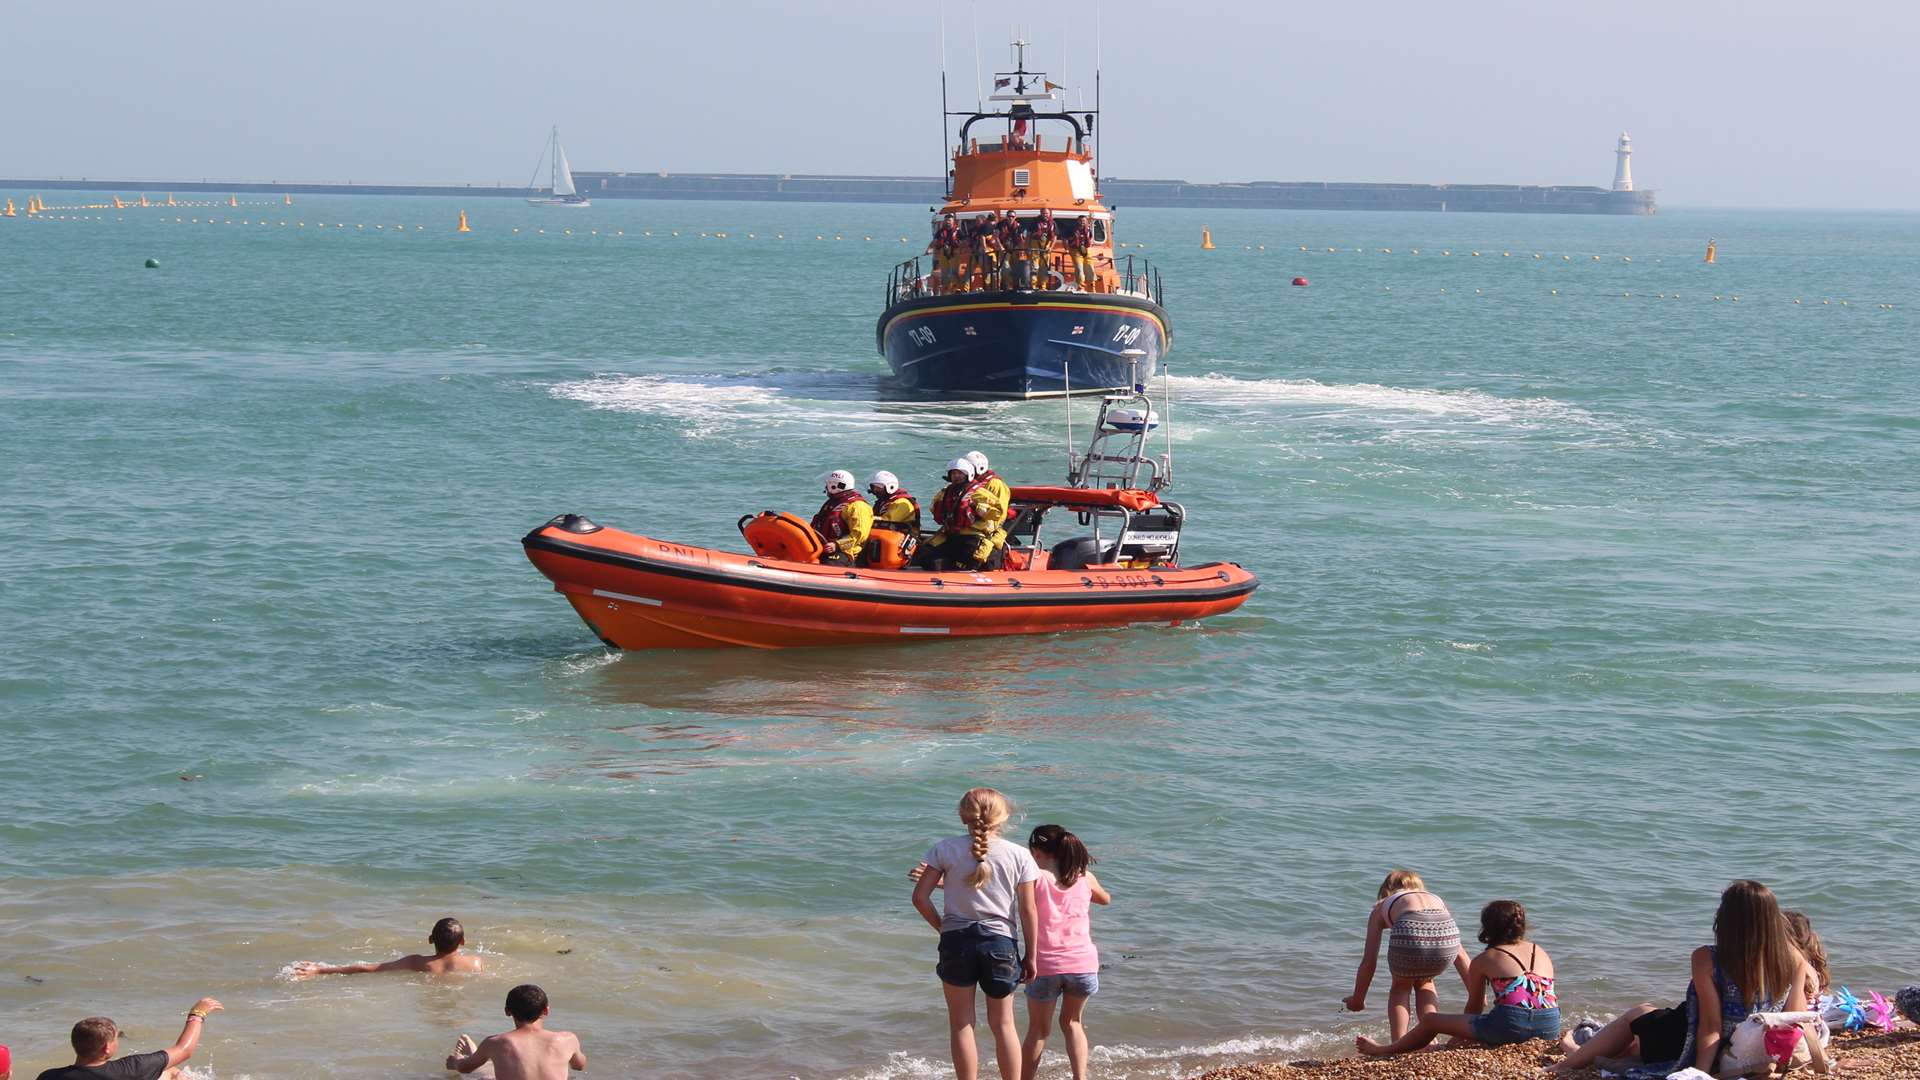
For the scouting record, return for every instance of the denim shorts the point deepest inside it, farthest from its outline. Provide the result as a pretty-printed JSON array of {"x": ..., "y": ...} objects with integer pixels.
[
  {"x": 976, "y": 957},
  {"x": 1050, "y": 987},
  {"x": 1505, "y": 1024}
]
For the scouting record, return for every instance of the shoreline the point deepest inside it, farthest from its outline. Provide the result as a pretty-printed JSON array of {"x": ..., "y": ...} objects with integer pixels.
[{"x": 1893, "y": 1055}]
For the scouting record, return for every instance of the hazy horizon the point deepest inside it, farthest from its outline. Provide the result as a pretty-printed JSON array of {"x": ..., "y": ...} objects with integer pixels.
[{"x": 1751, "y": 105}]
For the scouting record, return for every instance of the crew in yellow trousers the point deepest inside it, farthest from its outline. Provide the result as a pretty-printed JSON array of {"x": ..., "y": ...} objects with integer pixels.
[
  {"x": 894, "y": 512},
  {"x": 1002, "y": 495},
  {"x": 967, "y": 515},
  {"x": 844, "y": 521}
]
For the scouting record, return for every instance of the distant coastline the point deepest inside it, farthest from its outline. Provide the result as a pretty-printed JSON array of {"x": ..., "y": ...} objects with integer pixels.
[{"x": 801, "y": 187}]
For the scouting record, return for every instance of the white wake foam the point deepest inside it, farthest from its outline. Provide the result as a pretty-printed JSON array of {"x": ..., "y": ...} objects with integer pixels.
[
  {"x": 1472, "y": 406},
  {"x": 1131, "y": 1061}
]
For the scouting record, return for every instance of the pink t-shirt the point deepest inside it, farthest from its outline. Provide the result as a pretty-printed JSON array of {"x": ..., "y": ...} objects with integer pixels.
[{"x": 1063, "y": 929}]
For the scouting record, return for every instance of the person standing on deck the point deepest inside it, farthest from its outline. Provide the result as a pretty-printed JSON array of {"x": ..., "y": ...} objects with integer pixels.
[
  {"x": 1082, "y": 247},
  {"x": 1040, "y": 248}
]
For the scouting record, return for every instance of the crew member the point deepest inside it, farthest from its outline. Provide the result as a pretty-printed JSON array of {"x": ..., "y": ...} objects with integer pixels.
[
  {"x": 946, "y": 252},
  {"x": 1018, "y": 264},
  {"x": 987, "y": 255},
  {"x": 1082, "y": 246},
  {"x": 893, "y": 508},
  {"x": 998, "y": 489},
  {"x": 844, "y": 520},
  {"x": 967, "y": 515},
  {"x": 1040, "y": 248},
  {"x": 894, "y": 511}
]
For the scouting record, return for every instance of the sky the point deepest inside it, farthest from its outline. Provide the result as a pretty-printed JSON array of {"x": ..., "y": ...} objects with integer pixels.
[{"x": 1757, "y": 104}]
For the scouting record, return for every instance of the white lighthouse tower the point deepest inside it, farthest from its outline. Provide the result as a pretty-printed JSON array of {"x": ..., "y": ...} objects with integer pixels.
[{"x": 1623, "y": 164}]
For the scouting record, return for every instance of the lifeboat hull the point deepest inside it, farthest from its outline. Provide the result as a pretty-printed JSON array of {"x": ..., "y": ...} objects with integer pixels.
[
  {"x": 1023, "y": 344},
  {"x": 636, "y": 592}
]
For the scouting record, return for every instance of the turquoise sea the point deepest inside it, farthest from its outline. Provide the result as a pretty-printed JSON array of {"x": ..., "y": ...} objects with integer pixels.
[{"x": 1588, "y": 580}]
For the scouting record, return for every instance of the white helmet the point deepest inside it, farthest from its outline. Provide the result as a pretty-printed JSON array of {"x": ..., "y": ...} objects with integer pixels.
[
  {"x": 885, "y": 481},
  {"x": 980, "y": 466},
  {"x": 837, "y": 481},
  {"x": 963, "y": 465}
]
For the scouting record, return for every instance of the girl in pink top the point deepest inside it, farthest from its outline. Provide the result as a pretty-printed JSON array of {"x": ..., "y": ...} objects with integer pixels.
[{"x": 1065, "y": 961}]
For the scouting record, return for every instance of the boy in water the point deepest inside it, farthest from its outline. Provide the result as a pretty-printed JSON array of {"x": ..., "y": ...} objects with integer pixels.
[
  {"x": 446, "y": 937},
  {"x": 529, "y": 1051}
]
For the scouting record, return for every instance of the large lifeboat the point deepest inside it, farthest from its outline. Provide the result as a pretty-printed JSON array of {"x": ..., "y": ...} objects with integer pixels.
[
  {"x": 1102, "y": 551},
  {"x": 1011, "y": 299}
]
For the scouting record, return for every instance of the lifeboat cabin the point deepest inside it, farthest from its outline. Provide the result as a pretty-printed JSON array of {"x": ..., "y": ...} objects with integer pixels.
[{"x": 1019, "y": 293}]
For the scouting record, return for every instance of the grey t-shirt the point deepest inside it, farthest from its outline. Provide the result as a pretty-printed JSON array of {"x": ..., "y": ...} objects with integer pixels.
[
  {"x": 991, "y": 905},
  {"x": 132, "y": 1067}
]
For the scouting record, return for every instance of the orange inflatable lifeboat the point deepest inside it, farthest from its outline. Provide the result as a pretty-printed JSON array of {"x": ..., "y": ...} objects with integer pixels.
[
  {"x": 1118, "y": 566},
  {"x": 636, "y": 592}
]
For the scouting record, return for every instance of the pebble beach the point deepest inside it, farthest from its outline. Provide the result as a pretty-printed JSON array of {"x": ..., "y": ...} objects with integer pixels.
[{"x": 1891, "y": 1055}]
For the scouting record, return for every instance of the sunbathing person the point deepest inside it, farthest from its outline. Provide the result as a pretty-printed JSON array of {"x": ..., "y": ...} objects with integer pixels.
[{"x": 446, "y": 937}]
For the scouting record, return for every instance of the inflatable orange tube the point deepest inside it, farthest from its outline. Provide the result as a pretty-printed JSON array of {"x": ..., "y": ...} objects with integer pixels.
[{"x": 636, "y": 592}]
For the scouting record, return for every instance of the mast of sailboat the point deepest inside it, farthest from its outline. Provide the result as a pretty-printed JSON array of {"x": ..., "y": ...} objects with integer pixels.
[{"x": 553, "y": 158}]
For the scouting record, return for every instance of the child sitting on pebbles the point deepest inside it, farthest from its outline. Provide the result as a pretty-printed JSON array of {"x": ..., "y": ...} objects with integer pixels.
[{"x": 1521, "y": 975}]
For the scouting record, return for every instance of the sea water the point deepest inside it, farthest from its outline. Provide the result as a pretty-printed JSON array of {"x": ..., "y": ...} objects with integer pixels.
[{"x": 1588, "y": 579}]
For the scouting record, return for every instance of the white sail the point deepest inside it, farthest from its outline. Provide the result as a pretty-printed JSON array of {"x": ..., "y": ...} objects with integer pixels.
[{"x": 562, "y": 172}]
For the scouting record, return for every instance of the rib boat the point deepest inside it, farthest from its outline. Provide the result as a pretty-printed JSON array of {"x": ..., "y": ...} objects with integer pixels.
[
  {"x": 1023, "y": 319},
  {"x": 1101, "y": 551}
]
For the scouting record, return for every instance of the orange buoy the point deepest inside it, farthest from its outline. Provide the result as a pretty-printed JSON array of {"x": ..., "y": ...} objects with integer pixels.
[
  {"x": 1711, "y": 246},
  {"x": 233, "y": 200},
  {"x": 1206, "y": 238},
  {"x": 1300, "y": 282},
  {"x": 463, "y": 223}
]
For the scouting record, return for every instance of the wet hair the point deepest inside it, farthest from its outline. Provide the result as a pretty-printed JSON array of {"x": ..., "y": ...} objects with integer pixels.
[
  {"x": 984, "y": 810},
  {"x": 92, "y": 1036},
  {"x": 1070, "y": 858},
  {"x": 1401, "y": 881},
  {"x": 447, "y": 935},
  {"x": 526, "y": 1003},
  {"x": 1503, "y": 922},
  {"x": 1800, "y": 930},
  {"x": 1752, "y": 945}
]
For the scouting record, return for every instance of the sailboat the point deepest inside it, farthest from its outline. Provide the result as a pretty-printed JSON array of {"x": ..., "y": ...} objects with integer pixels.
[{"x": 562, "y": 191}]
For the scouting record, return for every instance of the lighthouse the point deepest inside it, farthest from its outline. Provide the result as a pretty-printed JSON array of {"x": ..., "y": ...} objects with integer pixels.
[{"x": 1623, "y": 164}]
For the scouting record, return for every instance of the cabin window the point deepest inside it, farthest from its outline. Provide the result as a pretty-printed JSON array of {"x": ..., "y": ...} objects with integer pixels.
[
  {"x": 1022, "y": 178},
  {"x": 1099, "y": 230}
]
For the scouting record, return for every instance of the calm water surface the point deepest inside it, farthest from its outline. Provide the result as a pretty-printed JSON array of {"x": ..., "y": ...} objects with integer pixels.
[{"x": 1581, "y": 586}]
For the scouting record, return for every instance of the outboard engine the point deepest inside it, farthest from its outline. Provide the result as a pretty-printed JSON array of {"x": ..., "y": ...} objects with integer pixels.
[{"x": 1078, "y": 553}]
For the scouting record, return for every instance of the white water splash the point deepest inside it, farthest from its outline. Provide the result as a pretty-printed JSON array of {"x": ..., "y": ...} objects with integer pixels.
[
  {"x": 1474, "y": 406},
  {"x": 1132, "y": 1061}
]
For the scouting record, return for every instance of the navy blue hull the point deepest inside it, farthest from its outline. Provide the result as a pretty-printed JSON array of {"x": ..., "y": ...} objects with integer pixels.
[{"x": 1023, "y": 344}]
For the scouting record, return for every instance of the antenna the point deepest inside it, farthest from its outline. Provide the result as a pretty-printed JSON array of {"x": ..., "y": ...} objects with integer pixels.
[
  {"x": 1066, "y": 381},
  {"x": 979, "y": 97},
  {"x": 1097, "y": 141},
  {"x": 945, "y": 167},
  {"x": 1166, "y": 396}
]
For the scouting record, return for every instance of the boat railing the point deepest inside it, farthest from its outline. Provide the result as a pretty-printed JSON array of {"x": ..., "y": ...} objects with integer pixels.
[
  {"x": 1141, "y": 278},
  {"x": 909, "y": 282},
  {"x": 913, "y": 279}
]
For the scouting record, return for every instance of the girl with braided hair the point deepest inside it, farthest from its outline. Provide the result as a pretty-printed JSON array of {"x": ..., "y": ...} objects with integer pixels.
[{"x": 986, "y": 879}]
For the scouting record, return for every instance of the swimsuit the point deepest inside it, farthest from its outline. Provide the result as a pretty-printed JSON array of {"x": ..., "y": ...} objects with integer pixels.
[
  {"x": 1424, "y": 942},
  {"x": 1524, "y": 1007}
]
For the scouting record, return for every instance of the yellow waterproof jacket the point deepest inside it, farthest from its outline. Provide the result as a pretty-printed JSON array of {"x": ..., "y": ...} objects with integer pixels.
[
  {"x": 1003, "y": 503},
  {"x": 856, "y": 519},
  {"x": 900, "y": 509}
]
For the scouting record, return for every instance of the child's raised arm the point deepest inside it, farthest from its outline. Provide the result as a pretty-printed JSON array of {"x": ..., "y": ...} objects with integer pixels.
[{"x": 1369, "y": 959}]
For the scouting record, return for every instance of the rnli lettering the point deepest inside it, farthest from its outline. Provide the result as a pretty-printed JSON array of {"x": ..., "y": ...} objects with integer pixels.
[
  {"x": 921, "y": 335},
  {"x": 678, "y": 551},
  {"x": 1127, "y": 334}
]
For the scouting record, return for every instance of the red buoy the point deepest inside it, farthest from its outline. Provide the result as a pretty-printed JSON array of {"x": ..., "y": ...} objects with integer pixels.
[{"x": 1300, "y": 281}]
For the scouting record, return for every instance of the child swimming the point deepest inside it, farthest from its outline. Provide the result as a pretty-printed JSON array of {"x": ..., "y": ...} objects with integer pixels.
[
  {"x": 1424, "y": 942},
  {"x": 1521, "y": 975},
  {"x": 986, "y": 879},
  {"x": 1066, "y": 964}
]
